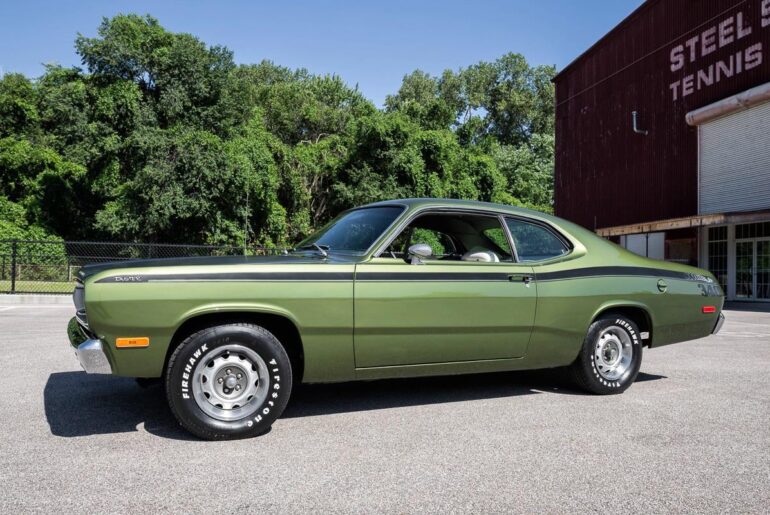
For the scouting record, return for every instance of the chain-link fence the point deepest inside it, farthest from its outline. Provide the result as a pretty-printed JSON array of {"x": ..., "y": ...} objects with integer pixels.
[{"x": 28, "y": 266}]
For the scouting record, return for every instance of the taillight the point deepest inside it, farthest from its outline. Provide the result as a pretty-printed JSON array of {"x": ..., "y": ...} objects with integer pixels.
[{"x": 709, "y": 309}]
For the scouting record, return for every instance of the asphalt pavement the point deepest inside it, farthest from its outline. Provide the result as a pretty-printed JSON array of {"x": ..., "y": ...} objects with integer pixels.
[{"x": 692, "y": 435}]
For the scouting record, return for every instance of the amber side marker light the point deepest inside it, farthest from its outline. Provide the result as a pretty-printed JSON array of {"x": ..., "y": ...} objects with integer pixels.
[
  {"x": 709, "y": 309},
  {"x": 132, "y": 342}
]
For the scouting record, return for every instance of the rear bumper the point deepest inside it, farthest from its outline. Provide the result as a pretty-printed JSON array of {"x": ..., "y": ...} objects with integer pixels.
[
  {"x": 89, "y": 350},
  {"x": 718, "y": 325}
]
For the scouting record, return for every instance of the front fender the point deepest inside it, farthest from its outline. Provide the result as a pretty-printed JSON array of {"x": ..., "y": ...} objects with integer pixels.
[
  {"x": 321, "y": 311},
  {"x": 235, "y": 307}
]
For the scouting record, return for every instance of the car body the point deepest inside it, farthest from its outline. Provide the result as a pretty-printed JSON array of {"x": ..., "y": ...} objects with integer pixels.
[{"x": 523, "y": 297}]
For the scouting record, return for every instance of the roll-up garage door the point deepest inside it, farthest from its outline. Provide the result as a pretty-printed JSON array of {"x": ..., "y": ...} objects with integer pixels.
[{"x": 734, "y": 162}]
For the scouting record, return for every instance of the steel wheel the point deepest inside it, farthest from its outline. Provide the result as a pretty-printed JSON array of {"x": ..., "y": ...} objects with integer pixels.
[
  {"x": 229, "y": 385},
  {"x": 613, "y": 353}
]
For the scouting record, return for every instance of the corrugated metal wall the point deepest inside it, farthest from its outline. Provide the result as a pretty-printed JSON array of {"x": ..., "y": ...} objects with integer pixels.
[
  {"x": 735, "y": 146},
  {"x": 606, "y": 175}
]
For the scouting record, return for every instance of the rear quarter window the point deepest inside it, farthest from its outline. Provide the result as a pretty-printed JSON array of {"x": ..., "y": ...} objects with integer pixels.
[{"x": 535, "y": 242}]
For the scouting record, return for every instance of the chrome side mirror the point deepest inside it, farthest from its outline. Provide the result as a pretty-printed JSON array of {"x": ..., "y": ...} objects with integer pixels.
[{"x": 418, "y": 252}]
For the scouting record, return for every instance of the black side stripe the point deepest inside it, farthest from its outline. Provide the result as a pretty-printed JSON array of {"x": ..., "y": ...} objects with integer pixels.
[
  {"x": 230, "y": 276},
  {"x": 578, "y": 273},
  {"x": 623, "y": 271},
  {"x": 433, "y": 276}
]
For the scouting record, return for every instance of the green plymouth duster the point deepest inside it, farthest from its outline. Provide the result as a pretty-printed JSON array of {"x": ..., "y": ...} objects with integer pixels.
[{"x": 392, "y": 289}]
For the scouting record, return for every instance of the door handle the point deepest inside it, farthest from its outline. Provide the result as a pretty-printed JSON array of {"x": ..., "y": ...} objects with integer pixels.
[{"x": 521, "y": 278}]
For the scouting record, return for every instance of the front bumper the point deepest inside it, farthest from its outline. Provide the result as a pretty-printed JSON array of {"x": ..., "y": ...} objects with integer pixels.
[
  {"x": 92, "y": 357},
  {"x": 88, "y": 349},
  {"x": 718, "y": 325}
]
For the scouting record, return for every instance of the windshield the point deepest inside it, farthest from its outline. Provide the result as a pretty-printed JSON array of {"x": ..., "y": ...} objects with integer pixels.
[{"x": 353, "y": 231}]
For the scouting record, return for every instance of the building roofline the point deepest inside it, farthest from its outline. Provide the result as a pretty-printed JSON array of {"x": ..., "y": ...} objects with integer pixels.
[{"x": 623, "y": 23}]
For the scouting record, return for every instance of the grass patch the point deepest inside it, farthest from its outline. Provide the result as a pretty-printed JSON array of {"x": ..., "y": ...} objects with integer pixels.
[{"x": 38, "y": 286}]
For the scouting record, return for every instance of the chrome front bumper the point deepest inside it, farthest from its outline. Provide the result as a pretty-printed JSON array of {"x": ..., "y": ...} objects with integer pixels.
[
  {"x": 89, "y": 350},
  {"x": 720, "y": 321},
  {"x": 92, "y": 357}
]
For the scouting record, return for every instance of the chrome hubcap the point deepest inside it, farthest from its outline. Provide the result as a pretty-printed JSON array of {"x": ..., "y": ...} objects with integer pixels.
[
  {"x": 613, "y": 353},
  {"x": 228, "y": 384}
]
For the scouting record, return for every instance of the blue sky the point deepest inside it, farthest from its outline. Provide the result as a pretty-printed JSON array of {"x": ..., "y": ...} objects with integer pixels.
[{"x": 372, "y": 44}]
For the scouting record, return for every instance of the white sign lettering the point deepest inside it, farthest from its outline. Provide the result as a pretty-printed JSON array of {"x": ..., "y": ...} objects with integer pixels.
[
  {"x": 765, "y": 13},
  {"x": 729, "y": 31}
]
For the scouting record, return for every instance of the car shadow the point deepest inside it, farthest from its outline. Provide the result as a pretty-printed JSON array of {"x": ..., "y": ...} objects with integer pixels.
[
  {"x": 77, "y": 404},
  {"x": 326, "y": 399},
  {"x": 642, "y": 377}
]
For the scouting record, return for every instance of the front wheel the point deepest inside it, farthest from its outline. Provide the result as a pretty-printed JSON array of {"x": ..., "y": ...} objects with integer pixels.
[
  {"x": 611, "y": 355},
  {"x": 227, "y": 382}
]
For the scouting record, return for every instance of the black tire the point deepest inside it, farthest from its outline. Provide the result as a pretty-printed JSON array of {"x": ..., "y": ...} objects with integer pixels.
[
  {"x": 211, "y": 359},
  {"x": 591, "y": 373}
]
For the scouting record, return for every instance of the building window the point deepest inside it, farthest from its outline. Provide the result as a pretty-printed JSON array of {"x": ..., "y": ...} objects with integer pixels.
[
  {"x": 752, "y": 261},
  {"x": 763, "y": 269},
  {"x": 717, "y": 254},
  {"x": 750, "y": 231}
]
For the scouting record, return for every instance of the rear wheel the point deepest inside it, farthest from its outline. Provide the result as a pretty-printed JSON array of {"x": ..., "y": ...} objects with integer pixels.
[
  {"x": 227, "y": 382},
  {"x": 611, "y": 355}
]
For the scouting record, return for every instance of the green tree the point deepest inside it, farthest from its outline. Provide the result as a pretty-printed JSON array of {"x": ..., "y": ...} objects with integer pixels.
[
  {"x": 185, "y": 81},
  {"x": 529, "y": 171},
  {"x": 161, "y": 137},
  {"x": 18, "y": 106},
  {"x": 14, "y": 226}
]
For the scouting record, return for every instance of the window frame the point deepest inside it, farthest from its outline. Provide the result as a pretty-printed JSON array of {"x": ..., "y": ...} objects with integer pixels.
[{"x": 383, "y": 247}]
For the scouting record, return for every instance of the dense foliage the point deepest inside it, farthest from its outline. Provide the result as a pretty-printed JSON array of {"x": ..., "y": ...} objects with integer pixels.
[{"x": 163, "y": 138}]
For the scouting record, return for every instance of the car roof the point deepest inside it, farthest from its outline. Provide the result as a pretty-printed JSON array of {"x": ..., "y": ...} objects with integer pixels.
[
  {"x": 576, "y": 231},
  {"x": 457, "y": 203}
]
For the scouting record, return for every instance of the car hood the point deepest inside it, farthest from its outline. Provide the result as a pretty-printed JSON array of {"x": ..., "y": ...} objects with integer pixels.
[{"x": 284, "y": 259}]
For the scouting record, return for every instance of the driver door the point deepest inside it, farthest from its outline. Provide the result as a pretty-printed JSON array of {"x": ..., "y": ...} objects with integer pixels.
[{"x": 443, "y": 310}]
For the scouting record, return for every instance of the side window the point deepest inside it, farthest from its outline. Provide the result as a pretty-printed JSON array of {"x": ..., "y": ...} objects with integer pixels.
[
  {"x": 534, "y": 242},
  {"x": 480, "y": 238},
  {"x": 440, "y": 243},
  {"x": 397, "y": 248},
  {"x": 498, "y": 237}
]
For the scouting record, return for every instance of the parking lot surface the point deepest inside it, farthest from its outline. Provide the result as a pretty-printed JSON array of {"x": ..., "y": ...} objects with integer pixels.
[{"x": 692, "y": 435}]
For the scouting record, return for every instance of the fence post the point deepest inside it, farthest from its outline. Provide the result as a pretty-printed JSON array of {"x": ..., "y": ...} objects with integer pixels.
[{"x": 14, "y": 244}]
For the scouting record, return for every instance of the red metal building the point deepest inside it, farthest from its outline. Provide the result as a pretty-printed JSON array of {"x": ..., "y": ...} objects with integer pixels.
[{"x": 663, "y": 137}]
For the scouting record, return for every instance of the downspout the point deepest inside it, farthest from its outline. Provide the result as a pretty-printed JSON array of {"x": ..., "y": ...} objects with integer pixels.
[{"x": 636, "y": 128}]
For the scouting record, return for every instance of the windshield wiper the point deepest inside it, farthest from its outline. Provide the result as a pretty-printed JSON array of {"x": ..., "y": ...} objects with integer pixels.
[{"x": 320, "y": 248}]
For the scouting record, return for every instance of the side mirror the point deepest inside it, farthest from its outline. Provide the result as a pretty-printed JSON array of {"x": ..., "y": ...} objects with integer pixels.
[{"x": 418, "y": 252}]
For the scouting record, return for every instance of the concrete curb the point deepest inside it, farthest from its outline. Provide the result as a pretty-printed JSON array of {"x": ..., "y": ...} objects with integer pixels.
[{"x": 33, "y": 300}]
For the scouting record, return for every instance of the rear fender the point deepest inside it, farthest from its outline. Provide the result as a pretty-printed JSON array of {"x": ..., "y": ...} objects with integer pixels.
[{"x": 611, "y": 305}]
